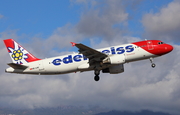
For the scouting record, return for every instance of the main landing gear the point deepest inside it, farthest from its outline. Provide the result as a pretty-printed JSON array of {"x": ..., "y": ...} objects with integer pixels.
[
  {"x": 152, "y": 64},
  {"x": 96, "y": 72}
]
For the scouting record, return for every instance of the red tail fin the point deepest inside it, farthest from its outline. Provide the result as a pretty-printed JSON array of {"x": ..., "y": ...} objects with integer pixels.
[{"x": 17, "y": 53}]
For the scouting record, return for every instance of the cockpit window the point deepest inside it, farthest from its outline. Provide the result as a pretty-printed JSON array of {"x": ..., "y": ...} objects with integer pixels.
[{"x": 160, "y": 42}]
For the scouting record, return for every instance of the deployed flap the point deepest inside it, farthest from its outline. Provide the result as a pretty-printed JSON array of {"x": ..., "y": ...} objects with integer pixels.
[
  {"x": 92, "y": 54},
  {"x": 17, "y": 66}
]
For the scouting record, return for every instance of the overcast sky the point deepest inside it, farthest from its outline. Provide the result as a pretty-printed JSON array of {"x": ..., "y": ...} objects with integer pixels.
[{"x": 45, "y": 28}]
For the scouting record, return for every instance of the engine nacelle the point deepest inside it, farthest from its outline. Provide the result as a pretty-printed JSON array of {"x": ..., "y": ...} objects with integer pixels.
[
  {"x": 115, "y": 59},
  {"x": 114, "y": 69}
]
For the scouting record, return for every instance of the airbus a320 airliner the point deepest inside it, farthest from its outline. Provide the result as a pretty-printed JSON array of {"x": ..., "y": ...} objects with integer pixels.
[{"x": 108, "y": 60}]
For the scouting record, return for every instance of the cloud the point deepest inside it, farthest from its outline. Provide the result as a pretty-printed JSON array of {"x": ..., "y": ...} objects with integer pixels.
[
  {"x": 1, "y": 16},
  {"x": 104, "y": 19},
  {"x": 62, "y": 36},
  {"x": 9, "y": 34},
  {"x": 82, "y": 1},
  {"x": 164, "y": 25}
]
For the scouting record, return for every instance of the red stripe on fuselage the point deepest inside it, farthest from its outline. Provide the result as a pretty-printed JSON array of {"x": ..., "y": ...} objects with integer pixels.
[{"x": 154, "y": 47}]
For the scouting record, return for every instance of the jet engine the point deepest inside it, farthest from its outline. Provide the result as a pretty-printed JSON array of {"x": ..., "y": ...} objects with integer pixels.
[
  {"x": 115, "y": 59},
  {"x": 114, "y": 69}
]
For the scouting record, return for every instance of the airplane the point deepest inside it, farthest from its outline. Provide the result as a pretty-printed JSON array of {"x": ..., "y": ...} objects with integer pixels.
[{"x": 108, "y": 60}]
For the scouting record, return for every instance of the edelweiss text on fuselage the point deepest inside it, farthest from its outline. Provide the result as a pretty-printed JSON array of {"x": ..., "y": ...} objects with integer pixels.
[{"x": 77, "y": 58}]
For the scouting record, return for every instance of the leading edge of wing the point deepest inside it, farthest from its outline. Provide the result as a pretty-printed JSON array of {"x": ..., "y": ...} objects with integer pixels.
[{"x": 90, "y": 53}]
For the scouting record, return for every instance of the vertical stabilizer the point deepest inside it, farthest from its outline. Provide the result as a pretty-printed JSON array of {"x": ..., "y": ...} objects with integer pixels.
[{"x": 18, "y": 54}]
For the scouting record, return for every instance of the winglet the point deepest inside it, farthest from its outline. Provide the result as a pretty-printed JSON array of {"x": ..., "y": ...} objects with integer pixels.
[{"x": 73, "y": 44}]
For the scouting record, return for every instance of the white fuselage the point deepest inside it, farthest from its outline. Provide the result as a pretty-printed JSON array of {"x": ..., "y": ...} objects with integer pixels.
[{"x": 77, "y": 62}]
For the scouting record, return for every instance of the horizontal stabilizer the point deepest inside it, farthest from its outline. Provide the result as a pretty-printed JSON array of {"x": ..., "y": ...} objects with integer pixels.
[{"x": 17, "y": 66}]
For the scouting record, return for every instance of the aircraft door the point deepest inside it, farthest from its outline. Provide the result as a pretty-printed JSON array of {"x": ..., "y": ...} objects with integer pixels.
[{"x": 150, "y": 45}]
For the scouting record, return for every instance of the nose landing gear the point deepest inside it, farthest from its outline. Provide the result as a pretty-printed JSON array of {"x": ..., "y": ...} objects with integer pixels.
[
  {"x": 152, "y": 64},
  {"x": 96, "y": 72}
]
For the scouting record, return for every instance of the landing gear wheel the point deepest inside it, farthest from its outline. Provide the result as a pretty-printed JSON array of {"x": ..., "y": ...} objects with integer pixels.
[
  {"x": 96, "y": 78},
  {"x": 96, "y": 72},
  {"x": 153, "y": 65}
]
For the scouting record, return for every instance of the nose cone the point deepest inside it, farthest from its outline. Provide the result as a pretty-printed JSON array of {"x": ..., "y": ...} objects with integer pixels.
[{"x": 168, "y": 48}]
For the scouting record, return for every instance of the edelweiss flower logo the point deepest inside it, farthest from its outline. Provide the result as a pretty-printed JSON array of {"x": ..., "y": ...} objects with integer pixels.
[{"x": 18, "y": 54}]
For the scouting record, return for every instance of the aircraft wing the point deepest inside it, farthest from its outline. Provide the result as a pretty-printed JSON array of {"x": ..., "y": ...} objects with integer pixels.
[
  {"x": 92, "y": 54},
  {"x": 17, "y": 66}
]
